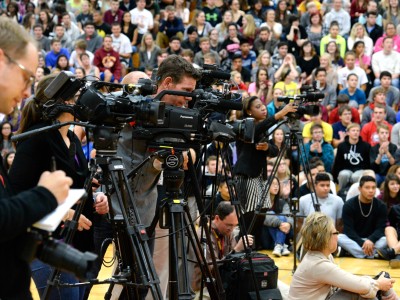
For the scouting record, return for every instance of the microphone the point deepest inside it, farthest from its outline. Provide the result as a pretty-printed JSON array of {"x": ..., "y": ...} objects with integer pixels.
[
  {"x": 217, "y": 74},
  {"x": 228, "y": 104}
]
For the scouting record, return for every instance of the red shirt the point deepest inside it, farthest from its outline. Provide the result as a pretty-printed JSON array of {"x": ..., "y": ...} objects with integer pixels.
[
  {"x": 334, "y": 116},
  {"x": 369, "y": 132}
]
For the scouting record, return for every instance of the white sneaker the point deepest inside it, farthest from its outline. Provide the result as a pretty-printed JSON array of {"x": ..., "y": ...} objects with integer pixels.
[
  {"x": 285, "y": 250},
  {"x": 277, "y": 250}
]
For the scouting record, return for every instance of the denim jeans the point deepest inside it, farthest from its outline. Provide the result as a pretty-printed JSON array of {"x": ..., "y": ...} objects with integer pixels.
[
  {"x": 278, "y": 236},
  {"x": 41, "y": 273}
]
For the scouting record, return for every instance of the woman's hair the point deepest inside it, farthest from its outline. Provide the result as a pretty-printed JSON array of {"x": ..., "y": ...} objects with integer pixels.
[
  {"x": 313, "y": 52},
  {"x": 1, "y": 131},
  {"x": 316, "y": 231},
  {"x": 66, "y": 68},
  {"x": 26, "y": 20},
  {"x": 337, "y": 53},
  {"x": 197, "y": 13},
  {"x": 16, "y": 8},
  {"x": 224, "y": 26},
  {"x": 273, "y": 135},
  {"x": 354, "y": 29},
  {"x": 47, "y": 14},
  {"x": 328, "y": 57},
  {"x": 393, "y": 169},
  {"x": 250, "y": 29},
  {"x": 5, "y": 163},
  {"x": 260, "y": 55},
  {"x": 356, "y": 44},
  {"x": 258, "y": 73},
  {"x": 276, "y": 197},
  {"x": 122, "y": 19},
  {"x": 247, "y": 105},
  {"x": 32, "y": 113},
  {"x": 388, "y": 17},
  {"x": 318, "y": 14},
  {"x": 386, "y": 190},
  {"x": 143, "y": 44}
]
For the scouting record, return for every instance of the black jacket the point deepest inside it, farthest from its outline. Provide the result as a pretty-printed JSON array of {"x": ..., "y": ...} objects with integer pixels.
[
  {"x": 252, "y": 162},
  {"x": 351, "y": 157},
  {"x": 34, "y": 156},
  {"x": 17, "y": 213}
]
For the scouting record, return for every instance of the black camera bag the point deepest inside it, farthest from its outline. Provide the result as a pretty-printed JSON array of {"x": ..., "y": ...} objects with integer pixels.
[{"x": 238, "y": 281}]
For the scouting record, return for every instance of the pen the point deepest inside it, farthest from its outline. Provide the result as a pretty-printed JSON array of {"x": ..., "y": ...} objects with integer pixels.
[{"x": 53, "y": 166}]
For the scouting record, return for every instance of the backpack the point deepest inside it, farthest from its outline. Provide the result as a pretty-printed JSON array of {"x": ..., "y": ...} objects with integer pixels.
[{"x": 238, "y": 281}]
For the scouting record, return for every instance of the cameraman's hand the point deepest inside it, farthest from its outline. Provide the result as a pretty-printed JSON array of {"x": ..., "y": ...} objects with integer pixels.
[
  {"x": 385, "y": 284},
  {"x": 57, "y": 183},
  {"x": 240, "y": 247},
  {"x": 84, "y": 223},
  {"x": 101, "y": 204},
  {"x": 186, "y": 158},
  {"x": 288, "y": 108},
  {"x": 262, "y": 146}
]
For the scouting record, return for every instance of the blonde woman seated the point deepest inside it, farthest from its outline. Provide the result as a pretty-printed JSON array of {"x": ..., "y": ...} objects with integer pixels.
[{"x": 319, "y": 278}]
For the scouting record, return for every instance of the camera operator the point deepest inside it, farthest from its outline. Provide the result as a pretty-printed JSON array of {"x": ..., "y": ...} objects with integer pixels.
[
  {"x": 222, "y": 238},
  {"x": 251, "y": 165},
  {"x": 35, "y": 155},
  {"x": 18, "y": 62},
  {"x": 175, "y": 74}
]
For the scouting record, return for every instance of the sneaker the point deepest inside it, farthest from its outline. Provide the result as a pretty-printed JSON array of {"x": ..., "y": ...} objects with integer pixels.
[
  {"x": 285, "y": 250},
  {"x": 386, "y": 253},
  {"x": 277, "y": 250},
  {"x": 395, "y": 262}
]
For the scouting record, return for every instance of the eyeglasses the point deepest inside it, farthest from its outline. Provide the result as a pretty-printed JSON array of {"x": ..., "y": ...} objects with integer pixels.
[
  {"x": 229, "y": 225},
  {"x": 31, "y": 78},
  {"x": 335, "y": 233}
]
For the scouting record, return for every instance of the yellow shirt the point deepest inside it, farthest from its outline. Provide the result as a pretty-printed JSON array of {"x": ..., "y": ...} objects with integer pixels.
[
  {"x": 326, "y": 127},
  {"x": 289, "y": 89}
]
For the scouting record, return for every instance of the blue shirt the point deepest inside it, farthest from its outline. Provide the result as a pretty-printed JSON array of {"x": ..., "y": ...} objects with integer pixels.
[
  {"x": 51, "y": 57},
  {"x": 338, "y": 126},
  {"x": 358, "y": 98}
]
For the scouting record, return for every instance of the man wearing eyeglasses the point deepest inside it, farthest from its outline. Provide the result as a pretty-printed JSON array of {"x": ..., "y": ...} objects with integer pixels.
[
  {"x": 222, "y": 238},
  {"x": 18, "y": 62}
]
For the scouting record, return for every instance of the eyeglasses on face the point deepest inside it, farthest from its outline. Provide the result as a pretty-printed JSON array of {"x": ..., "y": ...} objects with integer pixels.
[{"x": 31, "y": 77}]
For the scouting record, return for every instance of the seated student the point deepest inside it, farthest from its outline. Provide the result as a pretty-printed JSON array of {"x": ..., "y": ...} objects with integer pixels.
[
  {"x": 369, "y": 131},
  {"x": 339, "y": 128},
  {"x": 327, "y": 128},
  {"x": 382, "y": 154},
  {"x": 329, "y": 204},
  {"x": 318, "y": 277},
  {"x": 356, "y": 95},
  {"x": 354, "y": 189},
  {"x": 343, "y": 99},
  {"x": 276, "y": 225},
  {"x": 364, "y": 220},
  {"x": 351, "y": 157},
  {"x": 392, "y": 93},
  {"x": 317, "y": 147},
  {"x": 378, "y": 97},
  {"x": 392, "y": 252}
]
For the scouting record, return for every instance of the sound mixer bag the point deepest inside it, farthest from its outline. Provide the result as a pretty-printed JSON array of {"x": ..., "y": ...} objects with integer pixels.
[{"x": 238, "y": 280}]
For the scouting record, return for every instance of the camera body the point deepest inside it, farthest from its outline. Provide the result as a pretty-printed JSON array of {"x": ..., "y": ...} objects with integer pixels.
[{"x": 306, "y": 102}]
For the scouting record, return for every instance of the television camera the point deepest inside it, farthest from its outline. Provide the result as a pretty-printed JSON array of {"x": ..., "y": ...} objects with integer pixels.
[{"x": 306, "y": 102}]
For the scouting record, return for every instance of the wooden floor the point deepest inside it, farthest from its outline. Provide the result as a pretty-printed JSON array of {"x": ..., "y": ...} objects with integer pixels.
[{"x": 356, "y": 266}]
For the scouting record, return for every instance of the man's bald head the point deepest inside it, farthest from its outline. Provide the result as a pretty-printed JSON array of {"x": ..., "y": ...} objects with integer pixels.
[{"x": 133, "y": 77}]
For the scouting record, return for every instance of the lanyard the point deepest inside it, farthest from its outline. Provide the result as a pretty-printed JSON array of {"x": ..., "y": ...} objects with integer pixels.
[{"x": 220, "y": 243}]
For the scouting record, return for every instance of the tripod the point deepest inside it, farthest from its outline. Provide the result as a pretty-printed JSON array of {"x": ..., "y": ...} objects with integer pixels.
[
  {"x": 292, "y": 139},
  {"x": 175, "y": 216},
  {"x": 222, "y": 151}
]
